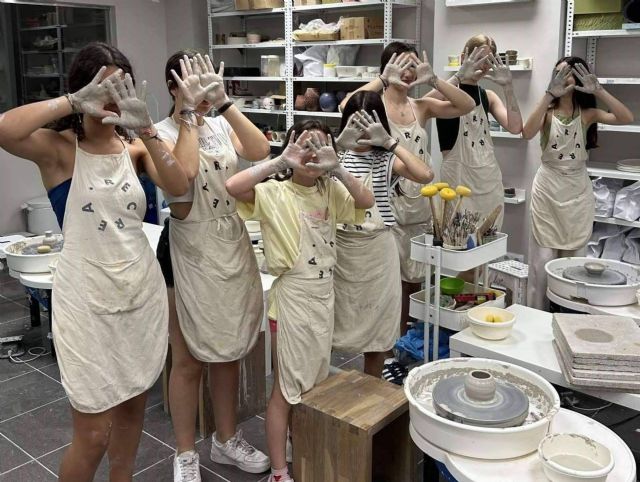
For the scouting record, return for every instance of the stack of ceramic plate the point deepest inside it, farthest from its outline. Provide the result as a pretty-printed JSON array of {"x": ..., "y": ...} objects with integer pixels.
[
  {"x": 598, "y": 351},
  {"x": 629, "y": 165}
]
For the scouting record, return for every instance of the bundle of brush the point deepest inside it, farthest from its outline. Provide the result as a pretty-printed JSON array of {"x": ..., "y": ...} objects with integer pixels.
[
  {"x": 458, "y": 234},
  {"x": 486, "y": 232}
]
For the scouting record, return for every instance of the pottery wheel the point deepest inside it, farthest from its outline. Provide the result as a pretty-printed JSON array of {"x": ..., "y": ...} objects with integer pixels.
[
  {"x": 607, "y": 277},
  {"x": 508, "y": 408}
]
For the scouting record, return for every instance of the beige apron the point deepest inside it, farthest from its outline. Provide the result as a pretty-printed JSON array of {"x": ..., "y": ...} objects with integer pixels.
[
  {"x": 217, "y": 283},
  {"x": 472, "y": 163},
  {"x": 409, "y": 207},
  {"x": 305, "y": 301},
  {"x": 111, "y": 310},
  {"x": 367, "y": 286},
  {"x": 562, "y": 205},
  {"x": 562, "y": 202}
]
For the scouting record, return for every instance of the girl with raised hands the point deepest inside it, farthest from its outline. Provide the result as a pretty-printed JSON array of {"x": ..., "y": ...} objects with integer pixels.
[
  {"x": 368, "y": 289},
  {"x": 110, "y": 329},
  {"x": 402, "y": 70},
  {"x": 562, "y": 201},
  {"x": 211, "y": 272},
  {"x": 298, "y": 218},
  {"x": 466, "y": 144}
]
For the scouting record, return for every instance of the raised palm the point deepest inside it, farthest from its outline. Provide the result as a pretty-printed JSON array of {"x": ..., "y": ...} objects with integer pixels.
[
  {"x": 590, "y": 84},
  {"x": 191, "y": 89},
  {"x": 133, "y": 107},
  {"x": 376, "y": 134},
  {"x": 558, "y": 86},
  {"x": 424, "y": 71},
  {"x": 471, "y": 67},
  {"x": 322, "y": 147},
  {"x": 392, "y": 73},
  {"x": 500, "y": 72},
  {"x": 297, "y": 153},
  {"x": 92, "y": 98},
  {"x": 208, "y": 76},
  {"x": 348, "y": 138}
]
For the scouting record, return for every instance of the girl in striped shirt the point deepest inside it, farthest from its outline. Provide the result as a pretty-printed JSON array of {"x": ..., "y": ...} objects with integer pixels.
[{"x": 368, "y": 293}]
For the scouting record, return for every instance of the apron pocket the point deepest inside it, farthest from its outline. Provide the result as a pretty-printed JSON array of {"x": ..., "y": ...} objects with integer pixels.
[
  {"x": 116, "y": 287},
  {"x": 316, "y": 307}
]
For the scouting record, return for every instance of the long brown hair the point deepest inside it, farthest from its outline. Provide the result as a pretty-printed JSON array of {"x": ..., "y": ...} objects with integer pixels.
[{"x": 83, "y": 69}]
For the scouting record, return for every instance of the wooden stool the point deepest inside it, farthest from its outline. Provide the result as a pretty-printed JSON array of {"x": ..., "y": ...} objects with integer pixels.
[
  {"x": 252, "y": 396},
  {"x": 353, "y": 428}
]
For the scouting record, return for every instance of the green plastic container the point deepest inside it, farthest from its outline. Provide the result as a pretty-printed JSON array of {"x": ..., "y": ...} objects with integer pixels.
[{"x": 451, "y": 286}]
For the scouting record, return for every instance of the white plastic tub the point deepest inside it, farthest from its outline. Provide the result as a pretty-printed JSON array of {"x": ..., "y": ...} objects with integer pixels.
[{"x": 570, "y": 457}]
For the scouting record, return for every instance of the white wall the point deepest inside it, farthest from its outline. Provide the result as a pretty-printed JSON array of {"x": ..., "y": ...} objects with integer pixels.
[
  {"x": 141, "y": 33},
  {"x": 535, "y": 29}
]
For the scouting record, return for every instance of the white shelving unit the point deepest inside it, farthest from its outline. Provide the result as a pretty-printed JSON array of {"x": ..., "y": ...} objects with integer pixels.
[
  {"x": 504, "y": 134},
  {"x": 440, "y": 258},
  {"x": 285, "y": 15},
  {"x": 592, "y": 36},
  {"x": 512, "y": 68}
]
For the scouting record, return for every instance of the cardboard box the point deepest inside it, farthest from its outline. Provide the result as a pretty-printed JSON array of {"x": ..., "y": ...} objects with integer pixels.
[
  {"x": 301, "y": 3},
  {"x": 301, "y": 36},
  {"x": 358, "y": 28},
  {"x": 597, "y": 6},
  {"x": 243, "y": 4},
  {"x": 331, "y": 1},
  {"x": 260, "y": 4}
]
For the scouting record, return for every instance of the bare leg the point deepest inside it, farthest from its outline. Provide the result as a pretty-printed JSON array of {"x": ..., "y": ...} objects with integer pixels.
[
  {"x": 374, "y": 363},
  {"x": 126, "y": 430},
  {"x": 88, "y": 446},
  {"x": 407, "y": 290},
  {"x": 184, "y": 383},
  {"x": 224, "y": 380},
  {"x": 277, "y": 415}
]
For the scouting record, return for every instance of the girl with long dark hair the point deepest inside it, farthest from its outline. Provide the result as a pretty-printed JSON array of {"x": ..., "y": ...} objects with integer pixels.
[
  {"x": 562, "y": 202},
  {"x": 367, "y": 275},
  {"x": 215, "y": 293},
  {"x": 298, "y": 217},
  {"x": 110, "y": 329}
]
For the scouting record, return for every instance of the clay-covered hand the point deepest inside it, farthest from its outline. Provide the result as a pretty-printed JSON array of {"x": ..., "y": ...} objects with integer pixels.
[
  {"x": 296, "y": 153},
  {"x": 376, "y": 134},
  {"x": 322, "y": 147},
  {"x": 392, "y": 73},
  {"x": 191, "y": 89},
  {"x": 424, "y": 71},
  {"x": 217, "y": 96},
  {"x": 92, "y": 98},
  {"x": 133, "y": 107},
  {"x": 558, "y": 86},
  {"x": 471, "y": 67},
  {"x": 348, "y": 138},
  {"x": 500, "y": 72},
  {"x": 590, "y": 84}
]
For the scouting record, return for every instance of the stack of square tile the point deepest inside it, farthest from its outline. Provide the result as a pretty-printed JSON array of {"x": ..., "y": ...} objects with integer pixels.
[{"x": 601, "y": 352}]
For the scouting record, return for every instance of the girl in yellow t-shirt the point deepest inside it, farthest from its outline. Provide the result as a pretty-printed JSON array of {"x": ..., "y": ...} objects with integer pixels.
[{"x": 298, "y": 218}]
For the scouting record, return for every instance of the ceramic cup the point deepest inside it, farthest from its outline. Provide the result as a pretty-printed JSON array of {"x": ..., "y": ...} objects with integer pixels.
[
  {"x": 479, "y": 385},
  {"x": 268, "y": 103},
  {"x": 454, "y": 60}
]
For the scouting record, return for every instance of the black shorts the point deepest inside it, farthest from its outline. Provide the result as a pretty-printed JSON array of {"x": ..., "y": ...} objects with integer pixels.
[{"x": 163, "y": 253}]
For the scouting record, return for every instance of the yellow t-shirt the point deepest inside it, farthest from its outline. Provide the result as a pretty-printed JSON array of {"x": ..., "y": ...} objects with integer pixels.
[{"x": 277, "y": 206}]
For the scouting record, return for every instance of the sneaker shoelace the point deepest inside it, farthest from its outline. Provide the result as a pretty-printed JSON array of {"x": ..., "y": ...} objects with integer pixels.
[
  {"x": 241, "y": 444},
  {"x": 188, "y": 469}
]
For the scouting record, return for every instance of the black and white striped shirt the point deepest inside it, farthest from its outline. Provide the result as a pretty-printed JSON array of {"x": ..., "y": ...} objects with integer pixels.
[{"x": 360, "y": 164}]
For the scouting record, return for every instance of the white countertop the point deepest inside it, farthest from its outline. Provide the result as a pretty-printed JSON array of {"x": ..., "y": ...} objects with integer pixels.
[{"x": 529, "y": 346}]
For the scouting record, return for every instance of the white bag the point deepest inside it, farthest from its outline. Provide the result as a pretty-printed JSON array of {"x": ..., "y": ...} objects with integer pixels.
[
  {"x": 312, "y": 60},
  {"x": 614, "y": 247},
  {"x": 627, "y": 204},
  {"x": 601, "y": 232},
  {"x": 342, "y": 54},
  {"x": 632, "y": 242},
  {"x": 605, "y": 190}
]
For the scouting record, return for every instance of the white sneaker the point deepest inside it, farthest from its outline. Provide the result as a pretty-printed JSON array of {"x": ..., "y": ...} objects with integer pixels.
[
  {"x": 237, "y": 451},
  {"x": 186, "y": 467}
]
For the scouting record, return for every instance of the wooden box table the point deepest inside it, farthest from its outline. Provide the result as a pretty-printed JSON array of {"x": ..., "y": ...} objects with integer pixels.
[{"x": 353, "y": 428}]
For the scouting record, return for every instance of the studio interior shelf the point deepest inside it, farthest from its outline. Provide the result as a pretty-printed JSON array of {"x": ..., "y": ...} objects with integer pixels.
[
  {"x": 619, "y": 222},
  {"x": 629, "y": 128},
  {"x": 505, "y": 134},
  {"x": 619, "y": 80},
  {"x": 512, "y": 68},
  {"x": 477, "y": 3},
  {"x": 279, "y": 24},
  {"x": 605, "y": 33},
  {"x": 596, "y": 169},
  {"x": 520, "y": 197}
]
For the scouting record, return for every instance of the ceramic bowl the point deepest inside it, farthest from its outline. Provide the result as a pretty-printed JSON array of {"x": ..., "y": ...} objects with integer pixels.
[
  {"x": 451, "y": 286},
  {"x": 346, "y": 71},
  {"x": 491, "y": 330},
  {"x": 570, "y": 457}
]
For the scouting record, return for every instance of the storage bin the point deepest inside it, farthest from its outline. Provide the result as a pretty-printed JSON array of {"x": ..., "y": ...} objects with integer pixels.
[{"x": 358, "y": 28}]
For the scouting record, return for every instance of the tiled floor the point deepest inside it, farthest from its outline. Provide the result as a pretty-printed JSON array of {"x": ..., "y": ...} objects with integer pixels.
[{"x": 35, "y": 420}]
